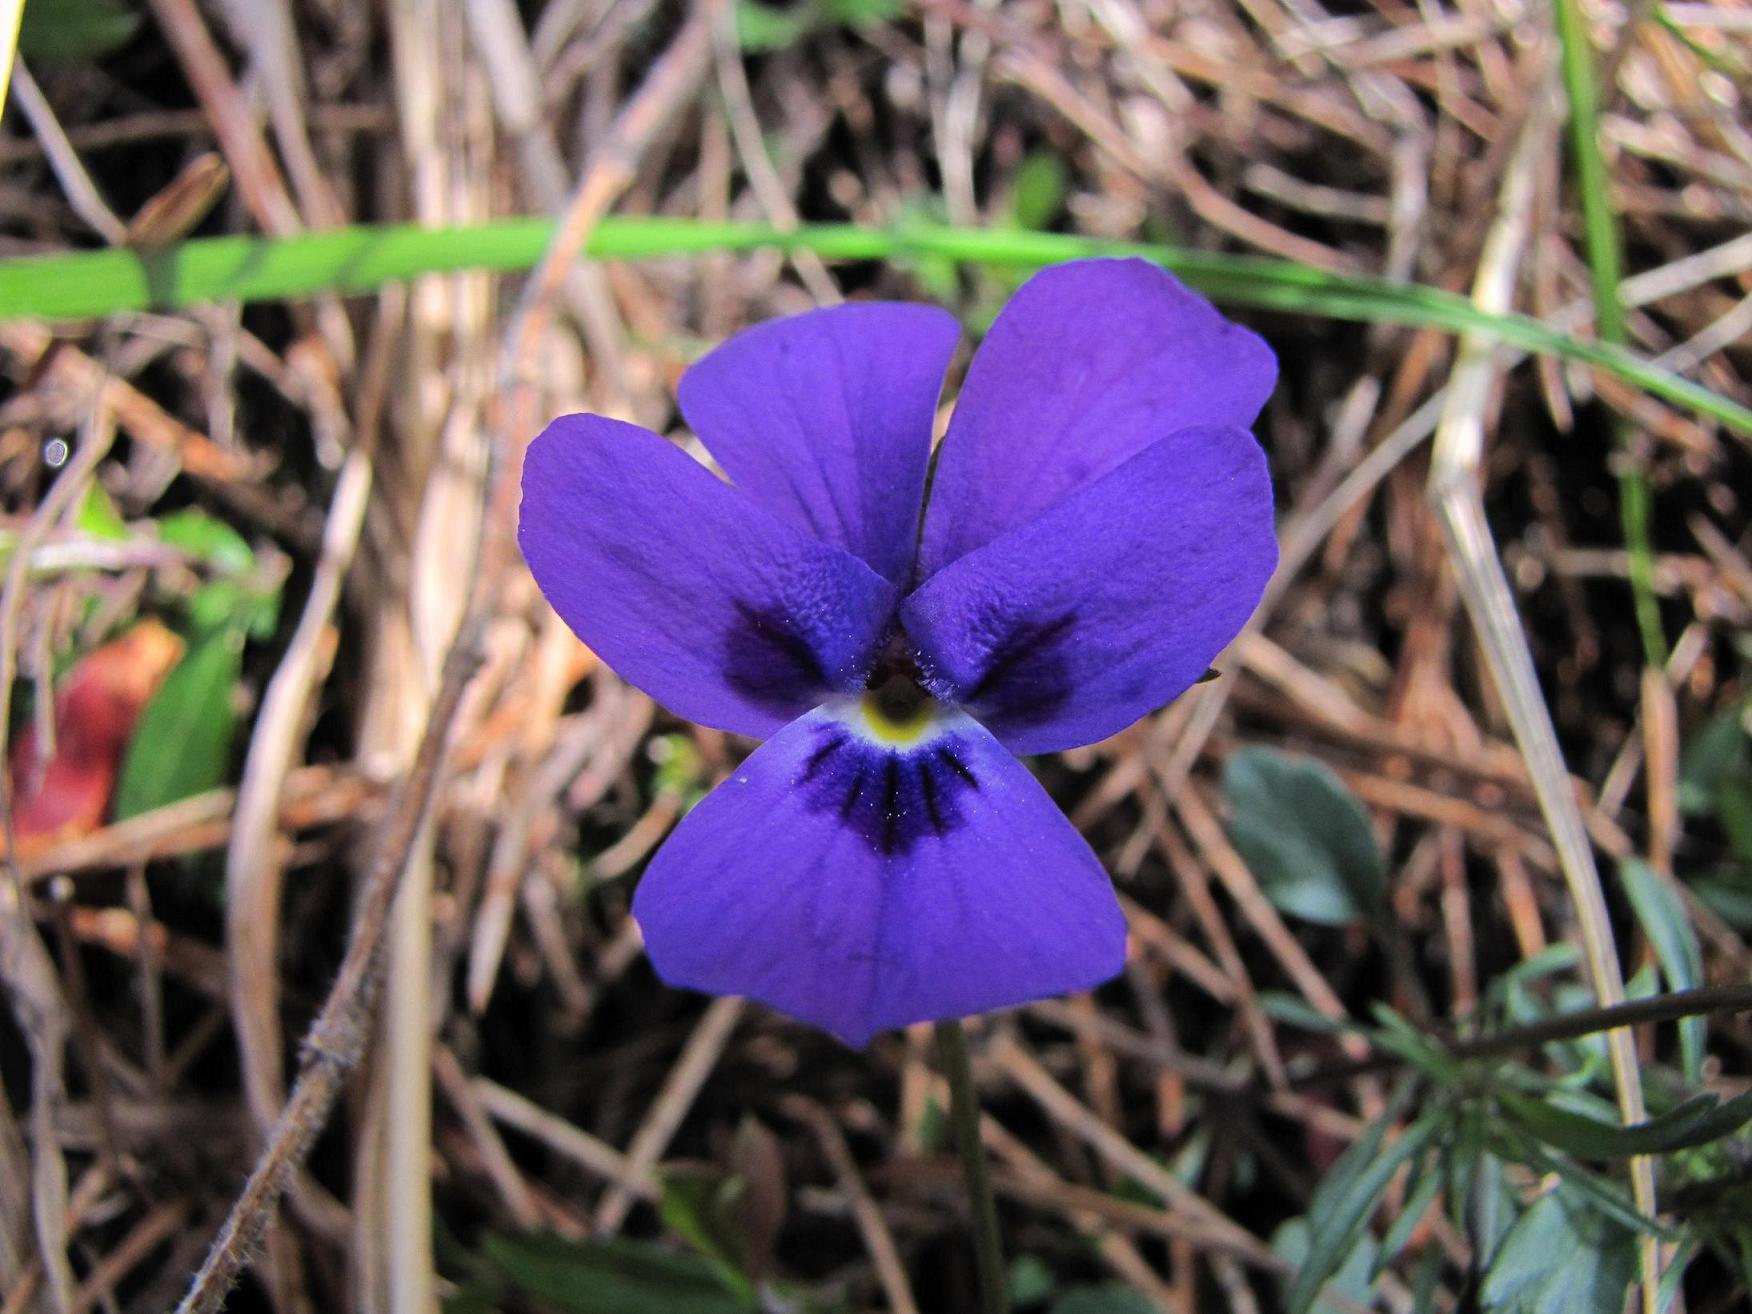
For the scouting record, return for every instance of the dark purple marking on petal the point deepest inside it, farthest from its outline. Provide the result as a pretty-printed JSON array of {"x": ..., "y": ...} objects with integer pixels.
[
  {"x": 946, "y": 757},
  {"x": 830, "y": 745},
  {"x": 934, "y": 814},
  {"x": 892, "y": 797},
  {"x": 1028, "y": 676},
  {"x": 767, "y": 661},
  {"x": 891, "y": 817},
  {"x": 985, "y": 898},
  {"x": 720, "y": 611},
  {"x": 1109, "y": 604}
]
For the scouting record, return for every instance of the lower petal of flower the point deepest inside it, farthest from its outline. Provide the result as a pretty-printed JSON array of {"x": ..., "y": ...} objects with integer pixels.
[{"x": 859, "y": 875}]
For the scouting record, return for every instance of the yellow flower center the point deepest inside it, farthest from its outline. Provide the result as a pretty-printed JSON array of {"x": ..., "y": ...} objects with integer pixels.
[{"x": 899, "y": 712}]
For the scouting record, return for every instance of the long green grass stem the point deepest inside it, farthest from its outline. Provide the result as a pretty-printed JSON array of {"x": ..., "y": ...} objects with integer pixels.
[
  {"x": 1606, "y": 269},
  {"x": 359, "y": 259},
  {"x": 988, "y": 1250}
]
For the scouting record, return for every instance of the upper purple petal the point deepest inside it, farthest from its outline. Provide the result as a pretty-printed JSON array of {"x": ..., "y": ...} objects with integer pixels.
[
  {"x": 825, "y": 420},
  {"x": 1109, "y": 604},
  {"x": 722, "y": 613},
  {"x": 860, "y": 886},
  {"x": 1088, "y": 364}
]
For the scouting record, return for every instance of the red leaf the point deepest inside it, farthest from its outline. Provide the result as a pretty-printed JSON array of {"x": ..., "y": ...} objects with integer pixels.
[{"x": 96, "y": 706}]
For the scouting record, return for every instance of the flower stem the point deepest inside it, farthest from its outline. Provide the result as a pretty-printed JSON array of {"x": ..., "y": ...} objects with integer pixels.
[{"x": 988, "y": 1250}]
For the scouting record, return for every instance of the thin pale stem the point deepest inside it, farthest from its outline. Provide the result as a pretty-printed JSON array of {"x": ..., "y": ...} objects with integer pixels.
[
  {"x": 988, "y": 1250},
  {"x": 1455, "y": 484}
]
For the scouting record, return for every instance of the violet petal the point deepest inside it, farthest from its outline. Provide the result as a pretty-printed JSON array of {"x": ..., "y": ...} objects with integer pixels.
[
  {"x": 1109, "y": 604},
  {"x": 1088, "y": 364},
  {"x": 859, "y": 885},
  {"x": 722, "y": 613},
  {"x": 825, "y": 420}
]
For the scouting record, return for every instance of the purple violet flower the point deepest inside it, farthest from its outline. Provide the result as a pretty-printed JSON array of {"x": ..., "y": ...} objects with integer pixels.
[{"x": 1099, "y": 528}]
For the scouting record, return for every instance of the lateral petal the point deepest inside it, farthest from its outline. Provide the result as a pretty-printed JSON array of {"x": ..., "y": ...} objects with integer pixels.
[
  {"x": 1109, "y": 604},
  {"x": 688, "y": 590}
]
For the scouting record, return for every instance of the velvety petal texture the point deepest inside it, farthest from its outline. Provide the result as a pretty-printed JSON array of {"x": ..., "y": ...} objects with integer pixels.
[
  {"x": 825, "y": 420},
  {"x": 1087, "y": 365},
  {"x": 860, "y": 882},
  {"x": 1099, "y": 528},
  {"x": 1108, "y": 605},
  {"x": 718, "y": 610}
]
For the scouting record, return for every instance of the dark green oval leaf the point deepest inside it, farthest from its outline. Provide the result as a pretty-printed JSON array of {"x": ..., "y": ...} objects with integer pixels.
[
  {"x": 612, "y": 1276},
  {"x": 1699, "y": 1120},
  {"x": 1340, "y": 1210},
  {"x": 1110, "y": 1298},
  {"x": 1561, "y": 1257},
  {"x": 182, "y": 743},
  {"x": 70, "y": 31},
  {"x": 1664, "y": 920},
  {"x": 1305, "y": 836}
]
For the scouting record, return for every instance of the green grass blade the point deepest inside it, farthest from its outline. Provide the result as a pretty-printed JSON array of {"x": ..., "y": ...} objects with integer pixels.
[
  {"x": 359, "y": 259},
  {"x": 1600, "y": 227},
  {"x": 1606, "y": 269}
]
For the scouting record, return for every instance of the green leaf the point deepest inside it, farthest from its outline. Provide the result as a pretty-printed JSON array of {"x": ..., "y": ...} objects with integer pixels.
[
  {"x": 1427, "y": 1283},
  {"x": 1733, "y": 809},
  {"x": 1728, "y": 894},
  {"x": 1716, "y": 752},
  {"x": 1293, "y": 1010},
  {"x": 1561, "y": 1257},
  {"x": 1673, "y": 1275},
  {"x": 182, "y": 743},
  {"x": 72, "y": 31},
  {"x": 933, "y": 1131},
  {"x": 862, "y": 13},
  {"x": 216, "y": 606},
  {"x": 208, "y": 538},
  {"x": 1511, "y": 991},
  {"x": 1549, "y": 961},
  {"x": 1424, "y": 1186},
  {"x": 612, "y": 1276},
  {"x": 1109, "y": 1298},
  {"x": 680, "y": 772},
  {"x": 1031, "y": 1280},
  {"x": 1397, "y": 1036},
  {"x": 1351, "y": 1286},
  {"x": 1697, "y": 1121},
  {"x": 1664, "y": 920},
  {"x": 700, "y": 1208},
  {"x": 1340, "y": 1210},
  {"x": 1605, "y": 1196},
  {"x": 1492, "y": 1207},
  {"x": 1038, "y": 192},
  {"x": 760, "y": 28},
  {"x": 97, "y": 516},
  {"x": 1305, "y": 836},
  {"x": 238, "y": 598}
]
